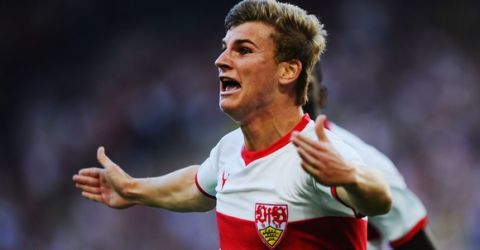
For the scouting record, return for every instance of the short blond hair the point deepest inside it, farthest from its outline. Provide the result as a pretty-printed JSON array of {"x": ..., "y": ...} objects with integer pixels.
[{"x": 298, "y": 35}]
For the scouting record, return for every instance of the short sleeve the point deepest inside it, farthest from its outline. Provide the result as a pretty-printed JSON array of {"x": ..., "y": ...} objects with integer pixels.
[
  {"x": 206, "y": 177},
  {"x": 406, "y": 217}
]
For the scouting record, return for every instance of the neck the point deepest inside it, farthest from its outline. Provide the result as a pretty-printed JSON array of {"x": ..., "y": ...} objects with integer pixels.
[{"x": 264, "y": 130}]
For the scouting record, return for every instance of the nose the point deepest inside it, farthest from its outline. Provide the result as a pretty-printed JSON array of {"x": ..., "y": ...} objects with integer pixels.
[{"x": 223, "y": 61}]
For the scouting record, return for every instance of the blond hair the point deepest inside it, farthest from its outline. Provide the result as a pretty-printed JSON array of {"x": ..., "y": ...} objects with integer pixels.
[{"x": 298, "y": 35}]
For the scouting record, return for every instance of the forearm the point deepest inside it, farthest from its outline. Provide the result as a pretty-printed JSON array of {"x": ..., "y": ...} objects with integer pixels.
[
  {"x": 175, "y": 191},
  {"x": 368, "y": 192}
]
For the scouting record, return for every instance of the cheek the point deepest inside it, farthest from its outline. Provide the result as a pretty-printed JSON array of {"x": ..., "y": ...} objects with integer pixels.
[
  {"x": 267, "y": 73},
  {"x": 261, "y": 69}
]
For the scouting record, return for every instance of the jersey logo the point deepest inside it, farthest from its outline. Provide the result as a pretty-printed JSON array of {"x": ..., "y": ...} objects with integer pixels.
[
  {"x": 271, "y": 222},
  {"x": 224, "y": 178}
]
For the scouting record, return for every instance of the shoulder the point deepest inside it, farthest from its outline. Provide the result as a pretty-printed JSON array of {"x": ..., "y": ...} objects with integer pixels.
[
  {"x": 373, "y": 157},
  {"x": 346, "y": 151},
  {"x": 355, "y": 142},
  {"x": 233, "y": 135},
  {"x": 232, "y": 139},
  {"x": 229, "y": 145}
]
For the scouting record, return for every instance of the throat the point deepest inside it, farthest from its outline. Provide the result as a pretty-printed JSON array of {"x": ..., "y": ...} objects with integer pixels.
[
  {"x": 259, "y": 138},
  {"x": 261, "y": 135}
]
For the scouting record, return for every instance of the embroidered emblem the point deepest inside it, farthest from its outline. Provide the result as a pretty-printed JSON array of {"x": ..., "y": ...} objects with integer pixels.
[
  {"x": 224, "y": 178},
  {"x": 271, "y": 222}
]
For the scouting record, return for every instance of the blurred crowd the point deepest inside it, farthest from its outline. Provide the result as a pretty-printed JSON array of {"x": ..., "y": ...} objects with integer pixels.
[{"x": 139, "y": 79}]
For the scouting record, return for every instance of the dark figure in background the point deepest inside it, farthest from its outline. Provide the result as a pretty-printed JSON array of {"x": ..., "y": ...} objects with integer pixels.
[{"x": 404, "y": 227}]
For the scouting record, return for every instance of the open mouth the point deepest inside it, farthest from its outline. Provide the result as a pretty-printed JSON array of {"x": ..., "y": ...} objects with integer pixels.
[{"x": 229, "y": 84}]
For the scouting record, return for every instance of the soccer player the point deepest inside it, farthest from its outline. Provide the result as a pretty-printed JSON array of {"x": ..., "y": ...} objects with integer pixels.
[
  {"x": 280, "y": 180},
  {"x": 404, "y": 226}
]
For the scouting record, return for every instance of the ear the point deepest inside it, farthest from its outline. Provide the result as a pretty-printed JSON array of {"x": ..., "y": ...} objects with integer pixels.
[{"x": 289, "y": 71}]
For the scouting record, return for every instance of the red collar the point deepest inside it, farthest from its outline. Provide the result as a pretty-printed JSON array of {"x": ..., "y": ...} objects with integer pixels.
[{"x": 249, "y": 156}]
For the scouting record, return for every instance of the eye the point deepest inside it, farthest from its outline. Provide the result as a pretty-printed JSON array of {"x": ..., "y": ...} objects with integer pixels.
[{"x": 244, "y": 50}]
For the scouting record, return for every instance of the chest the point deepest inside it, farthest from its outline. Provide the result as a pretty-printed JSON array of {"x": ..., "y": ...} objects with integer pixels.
[{"x": 276, "y": 181}]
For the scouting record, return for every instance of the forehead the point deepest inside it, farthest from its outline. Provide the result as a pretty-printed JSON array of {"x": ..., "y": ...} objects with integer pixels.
[{"x": 257, "y": 32}]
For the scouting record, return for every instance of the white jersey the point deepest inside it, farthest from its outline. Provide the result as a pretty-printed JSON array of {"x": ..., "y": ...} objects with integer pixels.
[
  {"x": 408, "y": 215},
  {"x": 266, "y": 200}
]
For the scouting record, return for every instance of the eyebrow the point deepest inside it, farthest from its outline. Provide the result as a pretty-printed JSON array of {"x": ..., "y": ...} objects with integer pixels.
[{"x": 240, "y": 41}]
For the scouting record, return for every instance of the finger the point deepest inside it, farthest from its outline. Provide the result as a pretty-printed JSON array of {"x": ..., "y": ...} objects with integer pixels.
[
  {"x": 89, "y": 189},
  {"x": 307, "y": 158},
  {"x": 103, "y": 158},
  {"x": 86, "y": 180},
  {"x": 320, "y": 128},
  {"x": 303, "y": 141},
  {"x": 309, "y": 169},
  {"x": 92, "y": 197},
  {"x": 315, "y": 174},
  {"x": 93, "y": 172}
]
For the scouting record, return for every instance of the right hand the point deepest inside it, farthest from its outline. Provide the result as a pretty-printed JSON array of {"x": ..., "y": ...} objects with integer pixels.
[
  {"x": 321, "y": 160},
  {"x": 105, "y": 185}
]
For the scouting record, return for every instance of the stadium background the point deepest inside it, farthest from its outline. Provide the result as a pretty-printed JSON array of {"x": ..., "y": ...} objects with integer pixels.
[{"x": 138, "y": 77}]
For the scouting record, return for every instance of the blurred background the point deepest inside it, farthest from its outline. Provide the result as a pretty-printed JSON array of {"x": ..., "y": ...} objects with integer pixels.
[{"x": 138, "y": 77}]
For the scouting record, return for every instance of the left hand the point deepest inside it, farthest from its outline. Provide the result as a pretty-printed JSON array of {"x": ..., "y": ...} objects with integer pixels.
[
  {"x": 320, "y": 159},
  {"x": 105, "y": 185}
]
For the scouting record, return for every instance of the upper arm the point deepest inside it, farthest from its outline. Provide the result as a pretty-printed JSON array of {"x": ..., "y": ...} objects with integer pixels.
[
  {"x": 202, "y": 200},
  {"x": 204, "y": 180},
  {"x": 206, "y": 174}
]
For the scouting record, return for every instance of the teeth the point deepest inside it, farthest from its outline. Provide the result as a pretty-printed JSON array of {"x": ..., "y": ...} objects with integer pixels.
[
  {"x": 226, "y": 79},
  {"x": 229, "y": 88},
  {"x": 229, "y": 84}
]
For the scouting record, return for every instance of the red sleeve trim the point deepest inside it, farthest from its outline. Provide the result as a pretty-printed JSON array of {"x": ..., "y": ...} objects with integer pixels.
[
  {"x": 201, "y": 189},
  {"x": 333, "y": 190},
  {"x": 408, "y": 236}
]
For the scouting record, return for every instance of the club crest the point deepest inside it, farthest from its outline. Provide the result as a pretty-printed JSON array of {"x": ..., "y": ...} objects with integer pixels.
[{"x": 271, "y": 222}]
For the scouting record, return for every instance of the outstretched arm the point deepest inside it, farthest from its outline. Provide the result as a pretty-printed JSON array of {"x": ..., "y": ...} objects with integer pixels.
[
  {"x": 176, "y": 191},
  {"x": 360, "y": 188}
]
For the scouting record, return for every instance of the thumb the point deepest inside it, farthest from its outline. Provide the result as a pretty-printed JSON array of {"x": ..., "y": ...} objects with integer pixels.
[
  {"x": 103, "y": 158},
  {"x": 320, "y": 128},
  {"x": 114, "y": 175}
]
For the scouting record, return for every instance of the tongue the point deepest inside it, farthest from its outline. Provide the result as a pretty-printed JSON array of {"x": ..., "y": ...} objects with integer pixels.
[{"x": 231, "y": 87}]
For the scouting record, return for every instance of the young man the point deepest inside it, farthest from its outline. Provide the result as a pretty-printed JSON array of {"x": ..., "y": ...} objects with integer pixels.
[
  {"x": 404, "y": 226},
  {"x": 280, "y": 180}
]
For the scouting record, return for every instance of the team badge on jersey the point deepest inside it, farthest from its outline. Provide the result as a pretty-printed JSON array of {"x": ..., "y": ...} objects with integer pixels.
[{"x": 271, "y": 222}]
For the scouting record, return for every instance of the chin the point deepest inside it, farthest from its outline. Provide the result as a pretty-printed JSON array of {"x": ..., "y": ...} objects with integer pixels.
[
  {"x": 226, "y": 105},
  {"x": 227, "y": 109},
  {"x": 230, "y": 110}
]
